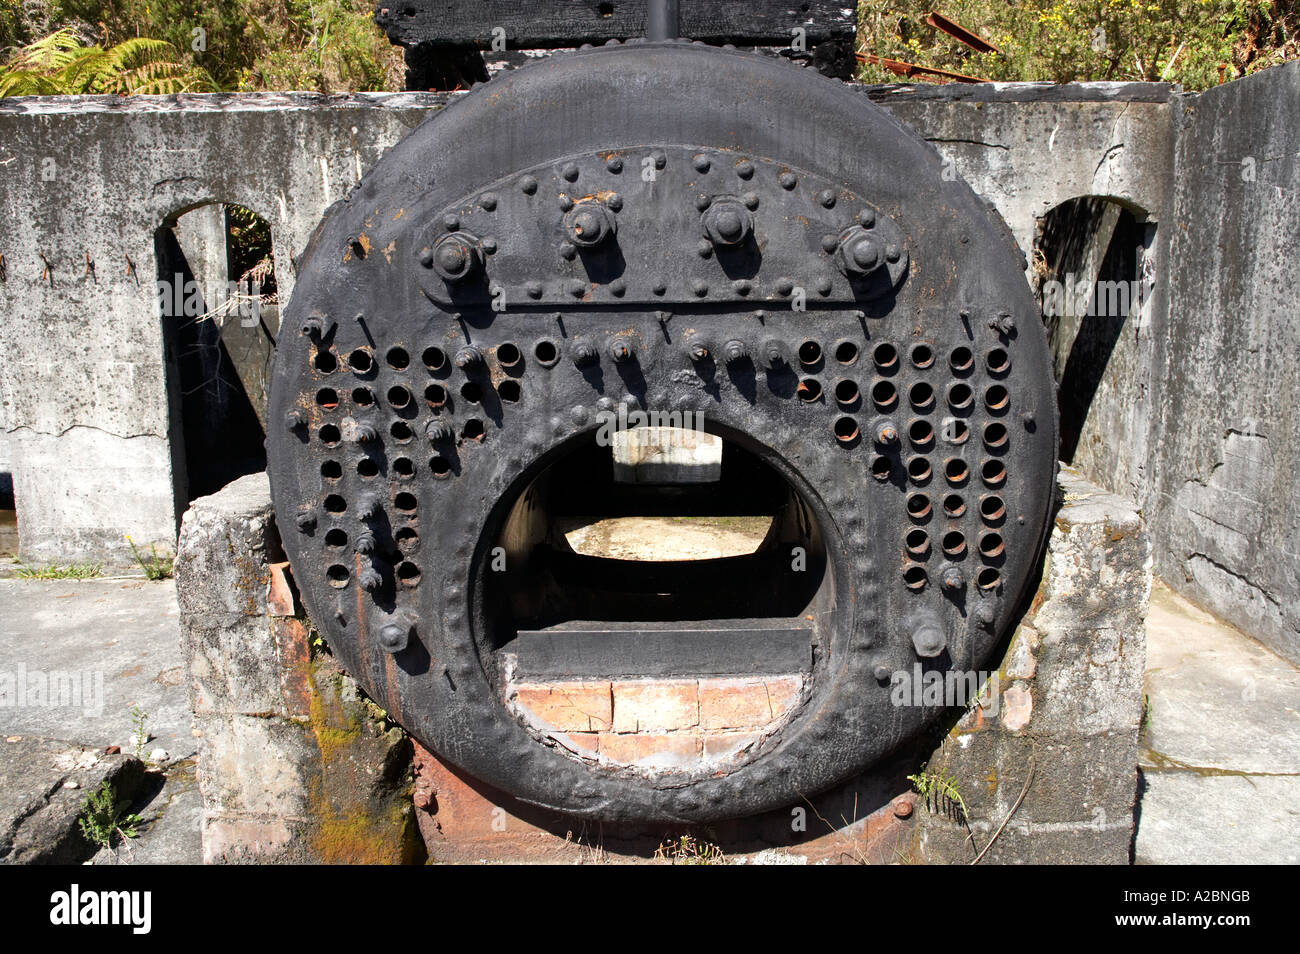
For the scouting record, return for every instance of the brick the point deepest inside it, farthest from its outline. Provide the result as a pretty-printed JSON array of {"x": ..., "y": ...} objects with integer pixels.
[
  {"x": 583, "y": 743},
  {"x": 568, "y": 706},
  {"x": 651, "y": 749},
  {"x": 1017, "y": 707},
  {"x": 732, "y": 703},
  {"x": 720, "y": 746},
  {"x": 656, "y": 706},
  {"x": 281, "y": 594}
]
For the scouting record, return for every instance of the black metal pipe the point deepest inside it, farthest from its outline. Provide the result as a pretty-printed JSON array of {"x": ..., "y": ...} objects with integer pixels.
[{"x": 662, "y": 20}]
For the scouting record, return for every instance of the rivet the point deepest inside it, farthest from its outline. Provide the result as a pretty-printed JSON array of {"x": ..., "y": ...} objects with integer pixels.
[
  {"x": 742, "y": 286},
  {"x": 306, "y": 519},
  {"x": 489, "y": 245},
  {"x": 867, "y": 218},
  {"x": 620, "y": 351},
  {"x": 784, "y": 286},
  {"x": 618, "y": 287},
  {"x": 528, "y": 185},
  {"x": 614, "y": 202},
  {"x": 534, "y": 289},
  {"x": 566, "y": 203},
  {"x": 830, "y": 243},
  {"x": 426, "y": 257},
  {"x": 451, "y": 222},
  {"x": 823, "y": 286},
  {"x": 882, "y": 672},
  {"x": 468, "y": 357},
  {"x": 702, "y": 164},
  {"x": 704, "y": 249},
  {"x": 734, "y": 351},
  {"x": 575, "y": 287},
  {"x": 488, "y": 200},
  {"x": 393, "y": 638},
  {"x": 789, "y": 180},
  {"x": 892, "y": 252},
  {"x": 699, "y": 287},
  {"x": 583, "y": 354},
  {"x": 294, "y": 419},
  {"x": 744, "y": 169},
  {"x": 827, "y": 198},
  {"x": 902, "y": 808},
  {"x": 614, "y": 164},
  {"x": 570, "y": 171},
  {"x": 702, "y": 202},
  {"x": 370, "y": 579},
  {"x": 661, "y": 159},
  {"x": 568, "y": 250},
  {"x": 659, "y": 287},
  {"x": 365, "y": 434}
]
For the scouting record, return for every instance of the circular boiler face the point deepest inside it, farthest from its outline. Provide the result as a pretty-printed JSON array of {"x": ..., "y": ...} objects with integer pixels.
[{"x": 663, "y": 283}]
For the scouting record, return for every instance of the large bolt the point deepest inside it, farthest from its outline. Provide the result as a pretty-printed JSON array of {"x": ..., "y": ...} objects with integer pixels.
[
  {"x": 364, "y": 543},
  {"x": 469, "y": 358},
  {"x": 368, "y": 508},
  {"x": 370, "y": 579},
  {"x": 294, "y": 419},
  {"x": 727, "y": 222},
  {"x": 455, "y": 257},
  {"x": 698, "y": 349},
  {"x": 929, "y": 640},
  {"x": 620, "y": 351},
  {"x": 588, "y": 224},
  {"x": 394, "y": 637},
  {"x": 365, "y": 434},
  {"x": 859, "y": 253},
  {"x": 583, "y": 353},
  {"x": 734, "y": 351},
  {"x": 886, "y": 433},
  {"x": 774, "y": 356},
  {"x": 438, "y": 430},
  {"x": 953, "y": 579},
  {"x": 306, "y": 519}
]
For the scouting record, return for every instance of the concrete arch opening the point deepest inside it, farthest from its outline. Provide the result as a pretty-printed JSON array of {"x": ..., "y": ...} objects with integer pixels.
[
  {"x": 1093, "y": 268},
  {"x": 217, "y": 300}
]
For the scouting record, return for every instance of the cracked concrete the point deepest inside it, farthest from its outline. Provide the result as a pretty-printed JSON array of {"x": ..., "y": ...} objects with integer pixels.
[{"x": 1221, "y": 755}]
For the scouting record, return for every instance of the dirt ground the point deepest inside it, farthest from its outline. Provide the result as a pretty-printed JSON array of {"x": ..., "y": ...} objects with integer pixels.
[{"x": 660, "y": 539}]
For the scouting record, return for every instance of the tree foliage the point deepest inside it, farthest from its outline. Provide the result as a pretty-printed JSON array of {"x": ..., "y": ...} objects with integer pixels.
[{"x": 1193, "y": 42}]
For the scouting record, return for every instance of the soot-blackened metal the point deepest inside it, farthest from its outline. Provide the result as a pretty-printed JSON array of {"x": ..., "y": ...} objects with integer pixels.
[{"x": 589, "y": 242}]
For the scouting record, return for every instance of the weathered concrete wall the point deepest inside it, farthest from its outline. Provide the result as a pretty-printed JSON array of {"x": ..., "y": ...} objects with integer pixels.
[
  {"x": 84, "y": 185},
  {"x": 1225, "y": 504},
  {"x": 294, "y": 764}
]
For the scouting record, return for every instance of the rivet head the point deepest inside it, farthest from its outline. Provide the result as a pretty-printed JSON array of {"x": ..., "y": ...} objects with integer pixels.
[
  {"x": 614, "y": 164},
  {"x": 364, "y": 543},
  {"x": 533, "y": 289},
  {"x": 618, "y": 287},
  {"x": 698, "y": 350},
  {"x": 774, "y": 355},
  {"x": 294, "y": 419},
  {"x": 704, "y": 249},
  {"x": 734, "y": 351},
  {"x": 365, "y": 434},
  {"x": 827, "y": 198},
  {"x": 568, "y": 251},
  {"x": 451, "y": 222},
  {"x": 438, "y": 430},
  {"x": 751, "y": 200},
  {"x": 661, "y": 159},
  {"x": 488, "y": 201},
  {"x": 570, "y": 171},
  {"x": 426, "y": 257},
  {"x": 699, "y": 288},
  {"x": 620, "y": 351},
  {"x": 824, "y": 286},
  {"x": 489, "y": 245},
  {"x": 830, "y": 243},
  {"x": 659, "y": 288},
  {"x": 702, "y": 163},
  {"x": 882, "y": 672},
  {"x": 394, "y": 637},
  {"x": 744, "y": 169},
  {"x": 742, "y": 286},
  {"x": 789, "y": 180},
  {"x": 566, "y": 203},
  {"x": 886, "y": 433},
  {"x": 306, "y": 519},
  {"x": 867, "y": 218},
  {"x": 953, "y": 579},
  {"x": 892, "y": 252},
  {"x": 702, "y": 202},
  {"x": 528, "y": 185},
  {"x": 784, "y": 286},
  {"x": 902, "y": 808},
  {"x": 583, "y": 353},
  {"x": 370, "y": 579},
  {"x": 575, "y": 287},
  {"x": 614, "y": 202}
]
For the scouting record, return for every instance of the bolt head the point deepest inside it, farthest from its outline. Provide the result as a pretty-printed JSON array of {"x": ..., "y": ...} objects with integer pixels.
[
  {"x": 887, "y": 433},
  {"x": 620, "y": 351},
  {"x": 306, "y": 519},
  {"x": 294, "y": 419},
  {"x": 929, "y": 640},
  {"x": 699, "y": 351},
  {"x": 902, "y": 808},
  {"x": 394, "y": 637},
  {"x": 702, "y": 164},
  {"x": 860, "y": 253},
  {"x": 366, "y": 434},
  {"x": 370, "y": 579},
  {"x": 734, "y": 351},
  {"x": 953, "y": 579},
  {"x": 454, "y": 258},
  {"x": 586, "y": 226},
  {"x": 468, "y": 357},
  {"x": 727, "y": 222},
  {"x": 583, "y": 353}
]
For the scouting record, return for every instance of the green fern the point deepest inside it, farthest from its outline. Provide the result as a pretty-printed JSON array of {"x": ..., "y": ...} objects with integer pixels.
[{"x": 59, "y": 64}]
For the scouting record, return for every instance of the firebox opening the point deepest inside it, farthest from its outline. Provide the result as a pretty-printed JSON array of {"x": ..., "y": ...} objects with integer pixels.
[{"x": 658, "y": 578}]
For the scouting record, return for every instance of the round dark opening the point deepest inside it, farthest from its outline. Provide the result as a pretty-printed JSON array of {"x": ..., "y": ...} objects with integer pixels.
[
  {"x": 884, "y": 395},
  {"x": 509, "y": 391},
  {"x": 886, "y": 356},
  {"x": 367, "y": 467},
  {"x": 331, "y": 470},
  {"x": 846, "y": 352},
  {"x": 810, "y": 389},
  {"x": 954, "y": 505},
  {"x": 435, "y": 359},
  {"x": 361, "y": 361},
  {"x": 810, "y": 354},
  {"x": 961, "y": 360},
  {"x": 918, "y": 506},
  {"x": 398, "y": 359},
  {"x": 508, "y": 354}
]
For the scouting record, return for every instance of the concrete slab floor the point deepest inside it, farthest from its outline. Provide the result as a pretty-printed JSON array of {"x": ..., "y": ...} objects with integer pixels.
[
  {"x": 121, "y": 637},
  {"x": 1221, "y": 757}
]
